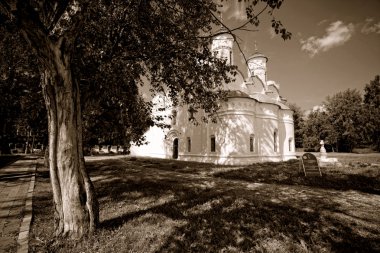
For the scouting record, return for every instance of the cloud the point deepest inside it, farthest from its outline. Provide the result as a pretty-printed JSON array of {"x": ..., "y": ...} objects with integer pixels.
[
  {"x": 337, "y": 34},
  {"x": 371, "y": 27},
  {"x": 322, "y": 22}
]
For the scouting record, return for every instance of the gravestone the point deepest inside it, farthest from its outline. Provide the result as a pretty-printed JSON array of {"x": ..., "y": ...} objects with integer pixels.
[
  {"x": 309, "y": 165},
  {"x": 323, "y": 150}
]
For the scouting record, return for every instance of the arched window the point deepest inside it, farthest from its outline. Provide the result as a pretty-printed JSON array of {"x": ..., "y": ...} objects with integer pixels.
[
  {"x": 188, "y": 144},
  {"x": 213, "y": 144},
  {"x": 252, "y": 143},
  {"x": 275, "y": 136}
]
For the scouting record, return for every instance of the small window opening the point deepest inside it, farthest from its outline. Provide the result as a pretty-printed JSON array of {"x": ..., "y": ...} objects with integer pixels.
[{"x": 213, "y": 143}]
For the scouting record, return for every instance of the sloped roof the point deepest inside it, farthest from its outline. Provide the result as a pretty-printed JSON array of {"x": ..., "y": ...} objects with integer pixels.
[
  {"x": 256, "y": 82},
  {"x": 237, "y": 94}
]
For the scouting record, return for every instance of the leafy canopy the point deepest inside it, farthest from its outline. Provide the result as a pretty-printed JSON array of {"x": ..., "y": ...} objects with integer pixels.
[{"x": 126, "y": 44}]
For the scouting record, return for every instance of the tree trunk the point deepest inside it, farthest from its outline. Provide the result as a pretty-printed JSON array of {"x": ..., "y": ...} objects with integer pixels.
[
  {"x": 33, "y": 138},
  {"x": 27, "y": 142},
  {"x": 51, "y": 27},
  {"x": 76, "y": 208}
]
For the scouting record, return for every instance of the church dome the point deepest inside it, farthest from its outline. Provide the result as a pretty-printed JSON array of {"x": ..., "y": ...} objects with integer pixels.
[
  {"x": 257, "y": 55},
  {"x": 223, "y": 30}
]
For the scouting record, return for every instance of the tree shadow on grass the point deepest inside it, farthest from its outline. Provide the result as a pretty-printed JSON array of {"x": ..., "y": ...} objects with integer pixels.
[
  {"x": 220, "y": 215},
  {"x": 288, "y": 173},
  {"x": 264, "y": 227}
]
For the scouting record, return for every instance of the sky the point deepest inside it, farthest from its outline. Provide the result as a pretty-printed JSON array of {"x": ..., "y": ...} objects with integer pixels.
[{"x": 335, "y": 46}]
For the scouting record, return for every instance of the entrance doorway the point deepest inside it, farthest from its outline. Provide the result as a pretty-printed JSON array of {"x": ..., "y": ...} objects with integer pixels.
[{"x": 175, "y": 148}]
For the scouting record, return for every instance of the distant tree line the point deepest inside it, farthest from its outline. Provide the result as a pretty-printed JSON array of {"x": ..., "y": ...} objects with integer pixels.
[
  {"x": 346, "y": 120},
  {"x": 22, "y": 111}
]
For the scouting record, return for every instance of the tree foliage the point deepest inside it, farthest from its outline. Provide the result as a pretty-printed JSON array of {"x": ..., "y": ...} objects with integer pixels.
[
  {"x": 298, "y": 124},
  {"x": 372, "y": 109},
  {"x": 155, "y": 42},
  {"x": 116, "y": 119},
  {"x": 346, "y": 117},
  {"x": 346, "y": 120},
  {"x": 317, "y": 127},
  {"x": 21, "y": 108}
]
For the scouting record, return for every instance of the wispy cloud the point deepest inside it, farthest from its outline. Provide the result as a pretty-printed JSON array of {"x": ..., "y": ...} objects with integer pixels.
[
  {"x": 370, "y": 26},
  {"x": 322, "y": 22},
  {"x": 337, "y": 33}
]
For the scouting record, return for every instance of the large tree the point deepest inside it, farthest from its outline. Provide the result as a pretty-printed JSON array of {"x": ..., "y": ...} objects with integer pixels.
[
  {"x": 164, "y": 42},
  {"x": 317, "y": 127},
  {"x": 345, "y": 112},
  {"x": 299, "y": 122},
  {"x": 372, "y": 111}
]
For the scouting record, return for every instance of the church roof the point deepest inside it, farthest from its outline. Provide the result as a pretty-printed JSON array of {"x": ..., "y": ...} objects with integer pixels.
[
  {"x": 259, "y": 97},
  {"x": 265, "y": 99}
]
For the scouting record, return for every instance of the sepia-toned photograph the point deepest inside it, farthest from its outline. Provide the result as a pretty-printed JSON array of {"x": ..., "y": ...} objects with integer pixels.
[{"x": 221, "y": 126}]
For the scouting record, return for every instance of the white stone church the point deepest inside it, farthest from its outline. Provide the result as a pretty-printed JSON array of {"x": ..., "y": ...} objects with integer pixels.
[{"x": 254, "y": 125}]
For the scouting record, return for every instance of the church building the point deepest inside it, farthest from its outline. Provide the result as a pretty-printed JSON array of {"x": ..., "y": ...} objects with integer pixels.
[{"x": 254, "y": 124}]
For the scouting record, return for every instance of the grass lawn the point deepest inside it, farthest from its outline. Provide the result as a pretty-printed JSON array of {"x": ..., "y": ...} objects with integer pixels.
[{"x": 153, "y": 205}]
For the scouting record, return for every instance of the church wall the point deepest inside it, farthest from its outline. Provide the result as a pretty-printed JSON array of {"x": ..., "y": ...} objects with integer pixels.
[
  {"x": 156, "y": 144},
  {"x": 189, "y": 129},
  {"x": 236, "y": 126},
  {"x": 267, "y": 118},
  {"x": 232, "y": 135},
  {"x": 155, "y": 136},
  {"x": 268, "y": 147},
  {"x": 239, "y": 119}
]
